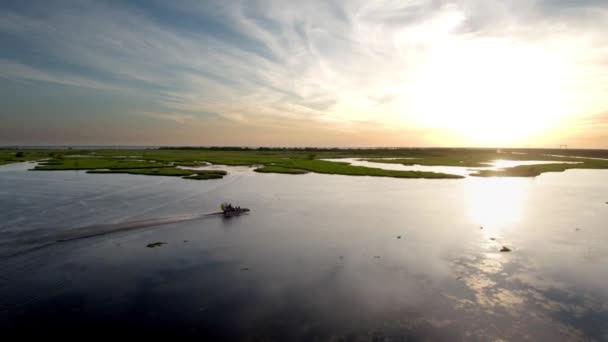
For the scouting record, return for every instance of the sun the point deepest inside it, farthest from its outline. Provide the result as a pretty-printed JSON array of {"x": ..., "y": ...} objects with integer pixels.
[{"x": 491, "y": 92}]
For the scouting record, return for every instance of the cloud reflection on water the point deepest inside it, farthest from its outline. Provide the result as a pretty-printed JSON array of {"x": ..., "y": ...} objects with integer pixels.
[{"x": 322, "y": 257}]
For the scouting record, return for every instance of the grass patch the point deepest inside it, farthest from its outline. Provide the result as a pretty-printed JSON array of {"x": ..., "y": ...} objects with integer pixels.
[
  {"x": 279, "y": 169},
  {"x": 95, "y": 163},
  {"x": 338, "y": 168},
  {"x": 535, "y": 170},
  {"x": 523, "y": 170},
  {"x": 207, "y": 174},
  {"x": 9, "y": 156},
  {"x": 190, "y": 163},
  {"x": 434, "y": 161},
  {"x": 169, "y": 171}
]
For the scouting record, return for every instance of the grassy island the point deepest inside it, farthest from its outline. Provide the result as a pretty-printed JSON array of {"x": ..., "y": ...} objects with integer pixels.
[
  {"x": 280, "y": 169},
  {"x": 168, "y": 171},
  {"x": 175, "y": 161}
]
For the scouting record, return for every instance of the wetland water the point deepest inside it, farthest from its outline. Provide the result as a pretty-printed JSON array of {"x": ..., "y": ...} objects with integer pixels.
[
  {"x": 320, "y": 257},
  {"x": 454, "y": 170}
]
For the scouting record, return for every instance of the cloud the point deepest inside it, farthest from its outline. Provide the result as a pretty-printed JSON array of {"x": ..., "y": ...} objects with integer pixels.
[
  {"x": 331, "y": 63},
  {"x": 17, "y": 71},
  {"x": 179, "y": 118}
]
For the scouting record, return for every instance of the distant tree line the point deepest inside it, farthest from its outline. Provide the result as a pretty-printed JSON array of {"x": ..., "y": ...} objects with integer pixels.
[
  {"x": 238, "y": 148},
  {"x": 262, "y": 148},
  {"x": 596, "y": 153}
]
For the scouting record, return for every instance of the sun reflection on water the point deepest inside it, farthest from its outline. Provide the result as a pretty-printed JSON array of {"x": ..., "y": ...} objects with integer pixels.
[{"x": 496, "y": 204}]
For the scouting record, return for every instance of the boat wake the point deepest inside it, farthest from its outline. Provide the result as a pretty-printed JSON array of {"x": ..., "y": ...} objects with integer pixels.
[{"x": 23, "y": 242}]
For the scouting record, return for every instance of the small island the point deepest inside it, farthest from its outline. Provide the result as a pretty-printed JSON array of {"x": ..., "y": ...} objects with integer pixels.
[{"x": 187, "y": 162}]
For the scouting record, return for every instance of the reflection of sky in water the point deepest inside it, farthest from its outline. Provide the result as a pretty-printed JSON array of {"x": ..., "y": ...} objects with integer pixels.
[{"x": 319, "y": 257}]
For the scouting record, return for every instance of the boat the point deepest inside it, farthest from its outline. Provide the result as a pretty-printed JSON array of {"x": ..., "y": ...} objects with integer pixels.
[
  {"x": 236, "y": 212},
  {"x": 230, "y": 210}
]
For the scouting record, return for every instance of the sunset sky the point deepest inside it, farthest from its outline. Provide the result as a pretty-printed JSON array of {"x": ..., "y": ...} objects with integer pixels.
[{"x": 516, "y": 73}]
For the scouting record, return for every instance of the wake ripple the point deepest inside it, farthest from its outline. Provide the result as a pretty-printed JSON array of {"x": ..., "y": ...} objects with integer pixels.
[{"x": 23, "y": 242}]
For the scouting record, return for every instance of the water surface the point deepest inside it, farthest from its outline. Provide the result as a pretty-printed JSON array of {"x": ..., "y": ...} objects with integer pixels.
[
  {"x": 320, "y": 257},
  {"x": 498, "y": 164}
]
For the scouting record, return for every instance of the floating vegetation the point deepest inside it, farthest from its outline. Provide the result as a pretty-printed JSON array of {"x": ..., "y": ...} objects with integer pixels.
[
  {"x": 280, "y": 169},
  {"x": 168, "y": 171},
  {"x": 156, "y": 244}
]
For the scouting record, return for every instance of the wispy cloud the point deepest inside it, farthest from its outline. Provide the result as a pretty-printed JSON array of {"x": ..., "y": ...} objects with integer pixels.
[
  {"x": 330, "y": 63},
  {"x": 16, "y": 71},
  {"x": 179, "y": 118}
]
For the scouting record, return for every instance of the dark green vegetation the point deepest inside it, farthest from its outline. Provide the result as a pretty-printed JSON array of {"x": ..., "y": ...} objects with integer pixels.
[
  {"x": 169, "y": 171},
  {"x": 482, "y": 157},
  {"x": 523, "y": 170},
  {"x": 535, "y": 170},
  {"x": 279, "y": 169},
  {"x": 86, "y": 163},
  {"x": 207, "y": 174},
  {"x": 164, "y": 161},
  {"x": 337, "y": 168},
  {"x": 8, "y": 156},
  {"x": 295, "y": 166},
  {"x": 155, "y": 244}
]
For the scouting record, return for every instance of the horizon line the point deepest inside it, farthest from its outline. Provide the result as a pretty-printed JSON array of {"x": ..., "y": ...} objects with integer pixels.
[{"x": 286, "y": 147}]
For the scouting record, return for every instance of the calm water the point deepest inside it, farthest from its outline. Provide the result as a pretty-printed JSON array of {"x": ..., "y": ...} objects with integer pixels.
[
  {"x": 320, "y": 257},
  {"x": 454, "y": 170}
]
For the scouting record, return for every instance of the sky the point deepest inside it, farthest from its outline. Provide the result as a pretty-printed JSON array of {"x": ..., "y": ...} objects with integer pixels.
[{"x": 358, "y": 73}]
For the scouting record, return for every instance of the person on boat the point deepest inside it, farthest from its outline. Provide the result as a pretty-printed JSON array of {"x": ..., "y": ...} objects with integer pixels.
[{"x": 228, "y": 208}]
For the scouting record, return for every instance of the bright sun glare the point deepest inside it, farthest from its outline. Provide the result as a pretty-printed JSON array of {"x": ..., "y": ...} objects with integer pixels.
[
  {"x": 491, "y": 92},
  {"x": 495, "y": 204}
]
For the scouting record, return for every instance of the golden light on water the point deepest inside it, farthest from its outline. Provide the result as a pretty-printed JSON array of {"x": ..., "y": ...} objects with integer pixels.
[{"x": 496, "y": 204}]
